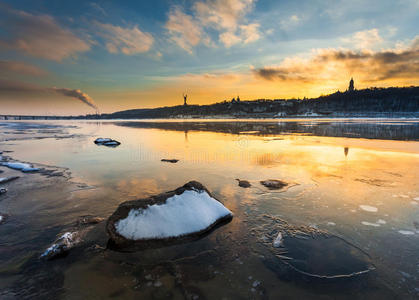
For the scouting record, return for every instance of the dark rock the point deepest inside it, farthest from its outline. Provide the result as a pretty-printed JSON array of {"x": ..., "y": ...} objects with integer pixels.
[
  {"x": 3, "y": 191},
  {"x": 273, "y": 184},
  {"x": 107, "y": 142},
  {"x": 118, "y": 241},
  {"x": 244, "y": 183},
  {"x": 173, "y": 161}
]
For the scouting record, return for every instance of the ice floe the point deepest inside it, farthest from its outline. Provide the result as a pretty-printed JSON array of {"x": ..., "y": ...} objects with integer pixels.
[
  {"x": 64, "y": 243},
  {"x": 24, "y": 167},
  {"x": 406, "y": 232},
  {"x": 370, "y": 224},
  {"x": 180, "y": 215},
  {"x": 278, "y": 241},
  {"x": 7, "y": 179},
  {"x": 368, "y": 208}
]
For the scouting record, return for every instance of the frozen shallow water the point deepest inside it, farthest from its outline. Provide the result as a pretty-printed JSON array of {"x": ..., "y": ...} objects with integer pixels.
[{"x": 352, "y": 179}]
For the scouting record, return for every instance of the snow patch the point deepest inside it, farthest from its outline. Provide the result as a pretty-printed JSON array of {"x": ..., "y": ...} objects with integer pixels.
[
  {"x": 368, "y": 208},
  {"x": 183, "y": 214},
  {"x": 24, "y": 167}
]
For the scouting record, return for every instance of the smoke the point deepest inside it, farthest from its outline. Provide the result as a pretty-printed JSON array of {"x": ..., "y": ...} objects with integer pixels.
[{"x": 78, "y": 94}]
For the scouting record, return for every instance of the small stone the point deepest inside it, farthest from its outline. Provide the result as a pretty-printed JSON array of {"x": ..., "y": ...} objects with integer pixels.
[
  {"x": 172, "y": 160},
  {"x": 244, "y": 183},
  {"x": 273, "y": 184}
]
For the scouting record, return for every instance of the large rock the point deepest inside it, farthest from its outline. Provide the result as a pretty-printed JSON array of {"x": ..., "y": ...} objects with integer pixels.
[
  {"x": 107, "y": 142},
  {"x": 187, "y": 212}
]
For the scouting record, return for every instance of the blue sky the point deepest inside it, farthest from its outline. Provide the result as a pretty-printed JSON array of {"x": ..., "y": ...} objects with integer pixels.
[{"x": 128, "y": 54}]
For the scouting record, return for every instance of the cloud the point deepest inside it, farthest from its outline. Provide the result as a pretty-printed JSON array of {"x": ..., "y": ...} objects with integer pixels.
[
  {"x": 367, "y": 39},
  {"x": 290, "y": 22},
  {"x": 98, "y": 8},
  {"x": 20, "y": 68},
  {"x": 223, "y": 14},
  {"x": 8, "y": 88},
  {"x": 183, "y": 29},
  {"x": 338, "y": 64},
  {"x": 39, "y": 36},
  {"x": 128, "y": 41},
  {"x": 226, "y": 17}
]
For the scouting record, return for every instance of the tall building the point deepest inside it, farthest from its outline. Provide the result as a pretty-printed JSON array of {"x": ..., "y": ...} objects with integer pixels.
[{"x": 351, "y": 87}]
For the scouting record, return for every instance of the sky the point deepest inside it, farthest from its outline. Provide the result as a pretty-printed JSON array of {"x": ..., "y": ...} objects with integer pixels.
[{"x": 77, "y": 57}]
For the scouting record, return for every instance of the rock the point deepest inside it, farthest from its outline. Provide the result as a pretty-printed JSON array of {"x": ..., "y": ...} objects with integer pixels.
[
  {"x": 244, "y": 183},
  {"x": 107, "y": 142},
  {"x": 62, "y": 245},
  {"x": 89, "y": 220},
  {"x": 7, "y": 179},
  {"x": 3, "y": 191},
  {"x": 273, "y": 184},
  {"x": 173, "y": 161},
  {"x": 185, "y": 213}
]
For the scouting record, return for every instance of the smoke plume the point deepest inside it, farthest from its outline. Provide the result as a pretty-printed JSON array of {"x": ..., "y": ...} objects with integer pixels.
[{"x": 78, "y": 94}]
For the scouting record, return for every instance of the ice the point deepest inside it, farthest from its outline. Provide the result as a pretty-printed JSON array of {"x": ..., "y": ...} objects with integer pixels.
[
  {"x": 24, "y": 167},
  {"x": 256, "y": 283},
  {"x": 416, "y": 198},
  {"x": 370, "y": 224},
  {"x": 331, "y": 223},
  {"x": 1, "y": 218},
  {"x": 406, "y": 232},
  {"x": 278, "y": 240},
  {"x": 381, "y": 221},
  {"x": 64, "y": 243},
  {"x": 368, "y": 208},
  {"x": 189, "y": 212}
]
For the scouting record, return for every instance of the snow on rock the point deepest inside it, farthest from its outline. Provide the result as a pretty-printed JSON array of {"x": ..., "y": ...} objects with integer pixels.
[
  {"x": 64, "y": 243},
  {"x": 189, "y": 211},
  {"x": 368, "y": 208},
  {"x": 2, "y": 218},
  {"x": 24, "y": 167},
  {"x": 3, "y": 191},
  {"x": 102, "y": 140}
]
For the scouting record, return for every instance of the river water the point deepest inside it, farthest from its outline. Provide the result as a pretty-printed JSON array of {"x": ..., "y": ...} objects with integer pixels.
[{"x": 349, "y": 216}]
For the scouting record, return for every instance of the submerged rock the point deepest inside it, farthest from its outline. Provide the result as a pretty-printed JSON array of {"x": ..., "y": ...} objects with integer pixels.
[
  {"x": 187, "y": 212},
  {"x": 273, "y": 184},
  {"x": 173, "y": 161},
  {"x": 89, "y": 220},
  {"x": 7, "y": 179},
  {"x": 62, "y": 245},
  {"x": 244, "y": 183},
  {"x": 24, "y": 167},
  {"x": 107, "y": 142}
]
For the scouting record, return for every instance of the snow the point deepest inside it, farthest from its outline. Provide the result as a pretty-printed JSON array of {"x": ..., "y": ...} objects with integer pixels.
[
  {"x": 278, "y": 240},
  {"x": 1, "y": 218},
  {"x": 189, "y": 212},
  {"x": 368, "y": 208},
  {"x": 381, "y": 221},
  {"x": 370, "y": 224},
  {"x": 406, "y": 232},
  {"x": 331, "y": 223},
  {"x": 20, "y": 166}
]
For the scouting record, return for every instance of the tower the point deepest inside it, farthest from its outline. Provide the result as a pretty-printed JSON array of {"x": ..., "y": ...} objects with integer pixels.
[
  {"x": 185, "y": 98},
  {"x": 351, "y": 87}
]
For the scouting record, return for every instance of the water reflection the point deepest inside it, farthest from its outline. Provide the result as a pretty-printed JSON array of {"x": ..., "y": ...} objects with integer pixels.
[{"x": 330, "y": 191}]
